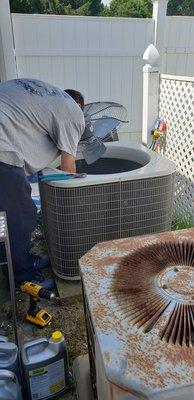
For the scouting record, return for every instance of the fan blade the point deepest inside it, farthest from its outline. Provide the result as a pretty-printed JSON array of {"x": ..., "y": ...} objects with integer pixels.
[
  {"x": 94, "y": 149},
  {"x": 104, "y": 126}
]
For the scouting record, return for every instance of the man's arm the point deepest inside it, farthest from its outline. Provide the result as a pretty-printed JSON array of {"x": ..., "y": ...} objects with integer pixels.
[{"x": 68, "y": 162}]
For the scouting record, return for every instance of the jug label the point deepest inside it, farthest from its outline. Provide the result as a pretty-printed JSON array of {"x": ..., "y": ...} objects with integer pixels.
[{"x": 46, "y": 381}]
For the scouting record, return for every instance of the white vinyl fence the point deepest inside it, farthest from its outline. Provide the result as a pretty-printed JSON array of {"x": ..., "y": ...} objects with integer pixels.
[
  {"x": 178, "y": 57},
  {"x": 101, "y": 57}
]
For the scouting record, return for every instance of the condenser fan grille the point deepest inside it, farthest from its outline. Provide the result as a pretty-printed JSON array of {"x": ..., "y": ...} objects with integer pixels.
[
  {"x": 154, "y": 287},
  {"x": 106, "y": 109}
]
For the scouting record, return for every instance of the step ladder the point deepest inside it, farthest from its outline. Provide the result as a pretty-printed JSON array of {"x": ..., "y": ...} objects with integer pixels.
[{"x": 4, "y": 238}]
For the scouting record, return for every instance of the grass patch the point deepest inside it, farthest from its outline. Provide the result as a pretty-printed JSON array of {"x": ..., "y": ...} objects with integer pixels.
[{"x": 178, "y": 224}]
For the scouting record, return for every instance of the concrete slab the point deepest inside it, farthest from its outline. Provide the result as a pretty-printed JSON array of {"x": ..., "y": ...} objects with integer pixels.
[
  {"x": 81, "y": 372},
  {"x": 68, "y": 289}
]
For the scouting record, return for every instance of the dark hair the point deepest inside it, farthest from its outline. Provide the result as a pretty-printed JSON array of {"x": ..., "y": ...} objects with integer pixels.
[{"x": 77, "y": 96}]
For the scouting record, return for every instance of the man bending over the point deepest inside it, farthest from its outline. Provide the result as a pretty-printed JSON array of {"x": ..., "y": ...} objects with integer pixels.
[{"x": 37, "y": 123}]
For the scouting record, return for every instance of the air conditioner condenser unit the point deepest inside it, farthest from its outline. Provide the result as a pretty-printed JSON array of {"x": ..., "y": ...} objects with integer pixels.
[
  {"x": 127, "y": 192},
  {"x": 139, "y": 307}
]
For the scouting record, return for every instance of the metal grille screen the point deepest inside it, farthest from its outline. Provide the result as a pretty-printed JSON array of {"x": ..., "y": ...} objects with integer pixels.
[{"x": 78, "y": 218}]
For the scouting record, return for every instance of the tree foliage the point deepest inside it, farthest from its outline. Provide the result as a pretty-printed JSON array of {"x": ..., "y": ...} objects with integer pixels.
[
  {"x": 71, "y": 7},
  {"x": 131, "y": 8},
  {"x": 91, "y": 7},
  {"x": 117, "y": 8},
  {"x": 181, "y": 7},
  {"x": 143, "y": 8},
  {"x": 36, "y": 6}
]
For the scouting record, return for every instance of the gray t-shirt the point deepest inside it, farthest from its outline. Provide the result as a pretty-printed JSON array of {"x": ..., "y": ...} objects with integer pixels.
[{"x": 37, "y": 121}]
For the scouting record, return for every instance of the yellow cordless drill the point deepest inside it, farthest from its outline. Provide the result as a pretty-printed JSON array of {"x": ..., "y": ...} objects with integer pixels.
[{"x": 35, "y": 314}]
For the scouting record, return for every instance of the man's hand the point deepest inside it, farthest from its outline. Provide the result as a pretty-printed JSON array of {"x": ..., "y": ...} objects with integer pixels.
[{"x": 67, "y": 162}]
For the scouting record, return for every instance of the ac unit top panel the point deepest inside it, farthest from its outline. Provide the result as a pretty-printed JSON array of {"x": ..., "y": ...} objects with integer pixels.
[
  {"x": 140, "y": 293},
  {"x": 153, "y": 165}
]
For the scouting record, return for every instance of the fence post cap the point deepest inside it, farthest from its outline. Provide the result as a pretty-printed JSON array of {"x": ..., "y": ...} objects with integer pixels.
[{"x": 151, "y": 55}]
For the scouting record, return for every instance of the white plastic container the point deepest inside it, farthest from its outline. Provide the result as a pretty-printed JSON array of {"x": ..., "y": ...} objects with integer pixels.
[
  {"x": 9, "y": 357},
  {"x": 3, "y": 339},
  {"x": 45, "y": 367},
  {"x": 9, "y": 386}
]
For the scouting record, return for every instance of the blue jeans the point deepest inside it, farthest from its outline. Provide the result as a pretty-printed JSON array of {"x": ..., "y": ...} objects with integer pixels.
[{"x": 15, "y": 199}]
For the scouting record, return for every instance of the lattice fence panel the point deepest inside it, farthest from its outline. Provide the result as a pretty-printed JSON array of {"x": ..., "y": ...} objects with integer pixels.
[{"x": 177, "y": 108}]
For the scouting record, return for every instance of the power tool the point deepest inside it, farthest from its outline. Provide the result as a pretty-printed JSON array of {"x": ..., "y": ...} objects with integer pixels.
[{"x": 35, "y": 314}]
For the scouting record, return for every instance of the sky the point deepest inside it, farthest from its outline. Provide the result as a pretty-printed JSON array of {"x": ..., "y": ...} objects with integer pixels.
[{"x": 106, "y": 2}]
